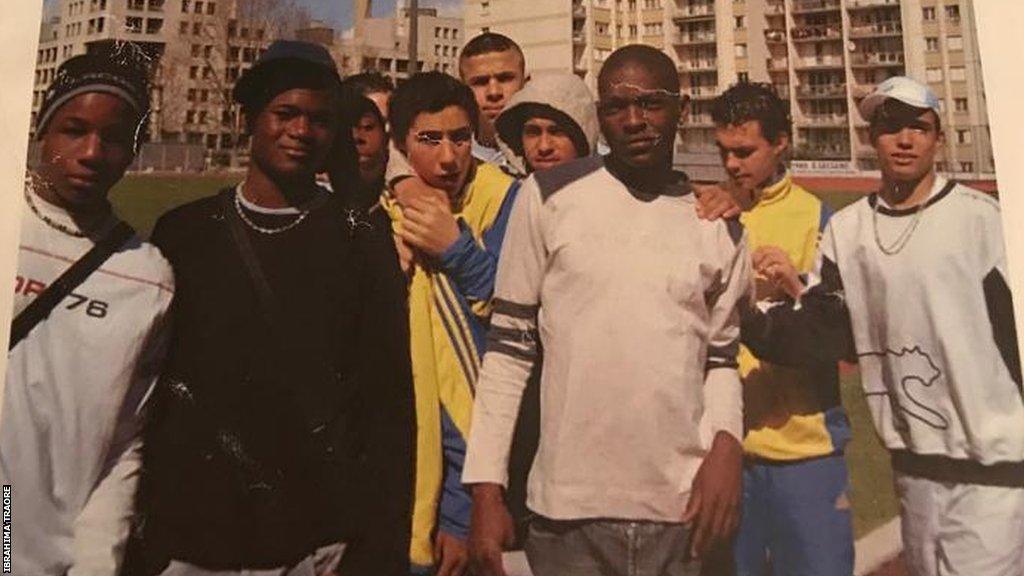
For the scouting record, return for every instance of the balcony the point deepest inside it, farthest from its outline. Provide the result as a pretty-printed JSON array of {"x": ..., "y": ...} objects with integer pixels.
[
  {"x": 877, "y": 30},
  {"x": 694, "y": 12},
  {"x": 834, "y": 120},
  {"x": 778, "y": 64},
  {"x": 702, "y": 92},
  {"x": 811, "y": 6},
  {"x": 816, "y": 33},
  {"x": 698, "y": 121},
  {"x": 877, "y": 60},
  {"x": 579, "y": 37},
  {"x": 819, "y": 62},
  {"x": 867, "y": 4},
  {"x": 699, "y": 65},
  {"x": 822, "y": 151},
  {"x": 579, "y": 12},
  {"x": 694, "y": 38},
  {"x": 775, "y": 35},
  {"x": 775, "y": 9},
  {"x": 821, "y": 91}
]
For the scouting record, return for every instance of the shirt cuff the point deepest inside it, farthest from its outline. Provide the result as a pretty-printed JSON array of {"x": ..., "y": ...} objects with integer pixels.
[{"x": 723, "y": 403}]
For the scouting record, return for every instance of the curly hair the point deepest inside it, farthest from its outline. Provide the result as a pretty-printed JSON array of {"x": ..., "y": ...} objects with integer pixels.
[{"x": 748, "y": 101}]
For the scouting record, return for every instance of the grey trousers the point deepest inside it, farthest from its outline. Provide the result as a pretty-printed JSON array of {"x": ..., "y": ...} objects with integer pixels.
[{"x": 608, "y": 548}]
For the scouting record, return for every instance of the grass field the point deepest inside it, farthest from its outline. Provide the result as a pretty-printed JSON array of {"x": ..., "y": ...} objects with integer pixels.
[{"x": 141, "y": 199}]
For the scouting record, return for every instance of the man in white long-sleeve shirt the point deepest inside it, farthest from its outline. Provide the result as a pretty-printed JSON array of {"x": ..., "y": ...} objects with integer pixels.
[
  {"x": 635, "y": 301},
  {"x": 77, "y": 381}
]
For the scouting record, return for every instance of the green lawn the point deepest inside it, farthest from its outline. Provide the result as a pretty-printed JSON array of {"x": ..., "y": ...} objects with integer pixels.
[{"x": 141, "y": 199}]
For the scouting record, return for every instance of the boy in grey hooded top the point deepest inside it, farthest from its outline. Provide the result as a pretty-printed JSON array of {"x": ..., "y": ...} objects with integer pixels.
[{"x": 541, "y": 120}]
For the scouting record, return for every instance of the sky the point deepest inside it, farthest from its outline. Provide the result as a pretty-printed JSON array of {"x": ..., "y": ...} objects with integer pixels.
[{"x": 339, "y": 12}]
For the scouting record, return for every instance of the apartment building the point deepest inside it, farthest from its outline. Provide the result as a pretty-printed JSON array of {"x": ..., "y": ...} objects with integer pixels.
[
  {"x": 197, "y": 50},
  {"x": 382, "y": 44},
  {"x": 823, "y": 56}
]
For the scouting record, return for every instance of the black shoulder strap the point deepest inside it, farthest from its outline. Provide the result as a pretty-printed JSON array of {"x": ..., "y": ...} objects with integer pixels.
[{"x": 41, "y": 307}]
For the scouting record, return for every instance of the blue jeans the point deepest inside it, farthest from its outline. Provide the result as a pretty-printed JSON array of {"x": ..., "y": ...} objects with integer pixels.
[
  {"x": 798, "y": 515},
  {"x": 608, "y": 548}
]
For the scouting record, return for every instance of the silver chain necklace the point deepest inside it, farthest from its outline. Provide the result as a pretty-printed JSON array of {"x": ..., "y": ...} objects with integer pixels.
[
  {"x": 49, "y": 221},
  {"x": 262, "y": 229},
  {"x": 904, "y": 237}
]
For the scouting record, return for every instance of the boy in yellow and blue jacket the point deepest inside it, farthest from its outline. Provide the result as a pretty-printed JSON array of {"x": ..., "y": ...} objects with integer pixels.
[
  {"x": 448, "y": 245},
  {"x": 796, "y": 514}
]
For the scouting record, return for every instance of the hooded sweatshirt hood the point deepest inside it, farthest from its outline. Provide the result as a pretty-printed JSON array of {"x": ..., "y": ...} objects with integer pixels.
[{"x": 565, "y": 94}]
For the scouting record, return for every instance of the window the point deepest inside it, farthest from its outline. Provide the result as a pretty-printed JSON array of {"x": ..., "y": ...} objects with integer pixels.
[
  {"x": 741, "y": 50},
  {"x": 156, "y": 5},
  {"x": 963, "y": 136},
  {"x": 967, "y": 166},
  {"x": 211, "y": 8},
  {"x": 245, "y": 32},
  {"x": 741, "y": 22},
  {"x": 957, "y": 73},
  {"x": 960, "y": 104},
  {"x": 202, "y": 116},
  {"x": 92, "y": 26},
  {"x": 437, "y": 50},
  {"x": 190, "y": 117},
  {"x": 198, "y": 7},
  {"x": 455, "y": 33},
  {"x": 185, "y": 5},
  {"x": 195, "y": 50},
  {"x": 928, "y": 13},
  {"x": 208, "y": 52},
  {"x": 934, "y": 74},
  {"x": 743, "y": 77},
  {"x": 437, "y": 32},
  {"x": 193, "y": 72},
  {"x": 99, "y": 24},
  {"x": 204, "y": 96},
  {"x": 231, "y": 74},
  {"x": 632, "y": 30},
  {"x": 248, "y": 55},
  {"x": 234, "y": 53},
  {"x": 207, "y": 72},
  {"x": 183, "y": 28},
  {"x": 955, "y": 42},
  {"x": 191, "y": 94},
  {"x": 154, "y": 25},
  {"x": 133, "y": 24},
  {"x": 197, "y": 28},
  {"x": 444, "y": 33},
  {"x": 953, "y": 13},
  {"x": 931, "y": 44},
  {"x": 136, "y": 4}
]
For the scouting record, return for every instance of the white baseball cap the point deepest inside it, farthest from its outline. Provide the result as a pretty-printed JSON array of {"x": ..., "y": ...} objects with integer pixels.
[{"x": 906, "y": 90}]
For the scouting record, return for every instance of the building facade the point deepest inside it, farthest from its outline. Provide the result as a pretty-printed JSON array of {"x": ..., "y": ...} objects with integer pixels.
[
  {"x": 197, "y": 49},
  {"x": 822, "y": 56},
  {"x": 382, "y": 44}
]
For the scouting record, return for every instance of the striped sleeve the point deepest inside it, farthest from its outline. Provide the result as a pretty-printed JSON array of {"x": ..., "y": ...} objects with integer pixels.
[
  {"x": 723, "y": 398},
  {"x": 511, "y": 342}
]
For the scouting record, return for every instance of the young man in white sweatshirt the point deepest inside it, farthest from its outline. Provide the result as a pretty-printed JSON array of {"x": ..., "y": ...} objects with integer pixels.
[
  {"x": 635, "y": 301},
  {"x": 77, "y": 382},
  {"x": 912, "y": 282}
]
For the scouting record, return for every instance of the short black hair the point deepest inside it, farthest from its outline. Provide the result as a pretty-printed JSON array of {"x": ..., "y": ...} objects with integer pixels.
[
  {"x": 428, "y": 92},
  {"x": 892, "y": 111},
  {"x": 487, "y": 43},
  {"x": 747, "y": 101},
  {"x": 648, "y": 58},
  {"x": 371, "y": 82}
]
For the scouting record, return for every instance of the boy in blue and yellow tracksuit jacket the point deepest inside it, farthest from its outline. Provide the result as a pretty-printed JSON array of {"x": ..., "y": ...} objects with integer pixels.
[
  {"x": 795, "y": 477},
  {"x": 449, "y": 307}
]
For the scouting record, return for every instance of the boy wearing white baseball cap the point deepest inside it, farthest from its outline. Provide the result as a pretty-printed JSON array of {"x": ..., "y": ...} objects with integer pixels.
[{"x": 911, "y": 283}]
